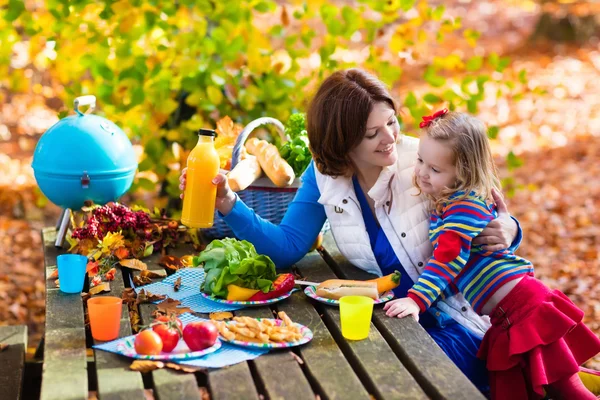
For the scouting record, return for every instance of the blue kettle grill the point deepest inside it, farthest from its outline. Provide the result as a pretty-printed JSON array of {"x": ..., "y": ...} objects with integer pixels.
[{"x": 83, "y": 157}]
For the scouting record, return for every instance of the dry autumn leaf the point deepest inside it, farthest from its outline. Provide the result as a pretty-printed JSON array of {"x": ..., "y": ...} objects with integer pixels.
[
  {"x": 141, "y": 280},
  {"x": 182, "y": 368},
  {"x": 169, "y": 306},
  {"x": 134, "y": 319},
  {"x": 147, "y": 297},
  {"x": 134, "y": 263},
  {"x": 129, "y": 296},
  {"x": 177, "y": 284},
  {"x": 170, "y": 262},
  {"x": 54, "y": 274},
  {"x": 220, "y": 316},
  {"x": 154, "y": 274},
  {"x": 102, "y": 287},
  {"x": 146, "y": 365}
]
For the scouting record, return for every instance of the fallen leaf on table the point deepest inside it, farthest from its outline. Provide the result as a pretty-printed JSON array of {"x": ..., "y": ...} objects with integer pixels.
[
  {"x": 220, "y": 316},
  {"x": 3, "y": 346},
  {"x": 110, "y": 275},
  {"x": 170, "y": 262},
  {"x": 95, "y": 281},
  {"x": 54, "y": 274},
  {"x": 177, "y": 284},
  {"x": 146, "y": 365},
  {"x": 92, "y": 268},
  {"x": 183, "y": 368},
  {"x": 129, "y": 296},
  {"x": 147, "y": 297},
  {"x": 204, "y": 394},
  {"x": 154, "y": 274},
  {"x": 169, "y": 306},
  {"x": 297, "y": 357},
  {"x": 134, "y": 263},
  {"x": 103, "y": 287},
  {"x": 141, "y": 280},
  {"x": 134, "y": 319}
]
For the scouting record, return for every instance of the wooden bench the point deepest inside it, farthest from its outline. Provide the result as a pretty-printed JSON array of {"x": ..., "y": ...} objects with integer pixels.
[
  {"x": 12, "y": 361},
  {"x": 397, "y": 361}
]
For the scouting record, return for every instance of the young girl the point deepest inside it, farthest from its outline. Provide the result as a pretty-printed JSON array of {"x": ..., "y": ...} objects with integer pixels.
[{"x": 537, "y": 340}]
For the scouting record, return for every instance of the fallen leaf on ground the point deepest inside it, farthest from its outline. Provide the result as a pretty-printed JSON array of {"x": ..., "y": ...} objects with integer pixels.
[
  {"x": 220, "y": 316},
  {"x": 103, "y": 287},
  {"x": 134, "y": 263},
  {"x": 146, "y": 365}
]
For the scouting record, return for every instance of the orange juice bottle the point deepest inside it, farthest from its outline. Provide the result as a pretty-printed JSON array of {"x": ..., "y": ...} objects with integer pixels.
[{"x": 200, "y": 193}]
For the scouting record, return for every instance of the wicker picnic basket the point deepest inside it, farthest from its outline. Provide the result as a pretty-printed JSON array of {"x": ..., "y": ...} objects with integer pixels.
[{"x": 268, "y": 201}]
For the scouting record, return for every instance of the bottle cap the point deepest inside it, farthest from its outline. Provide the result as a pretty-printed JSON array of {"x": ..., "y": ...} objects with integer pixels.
[{"x": 207, "y": 132}]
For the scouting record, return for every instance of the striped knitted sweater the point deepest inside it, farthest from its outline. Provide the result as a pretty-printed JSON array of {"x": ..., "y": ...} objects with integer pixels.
[{"x": 458, "y": 266}]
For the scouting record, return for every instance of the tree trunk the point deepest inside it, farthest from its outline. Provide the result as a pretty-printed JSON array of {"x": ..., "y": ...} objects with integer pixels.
[{"x": 564, "y": 26}]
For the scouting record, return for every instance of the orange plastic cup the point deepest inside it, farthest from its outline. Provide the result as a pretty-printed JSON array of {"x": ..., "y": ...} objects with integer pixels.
[{"x": 105, "y": 317}]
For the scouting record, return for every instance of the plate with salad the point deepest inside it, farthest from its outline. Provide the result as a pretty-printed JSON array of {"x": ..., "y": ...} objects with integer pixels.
[{"x": 236, "y": 274}]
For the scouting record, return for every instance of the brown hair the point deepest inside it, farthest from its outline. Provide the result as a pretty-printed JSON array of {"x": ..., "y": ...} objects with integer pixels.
[
  {"x": 337, "y": 117},
  {"x": 475, "y": 167}
]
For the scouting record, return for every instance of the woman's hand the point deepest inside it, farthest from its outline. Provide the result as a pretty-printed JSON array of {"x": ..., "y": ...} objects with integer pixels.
[
  {"x": 501, "y": 232},
  {"x": 402, "y": 308},
  {"x": 225, "y": 196}
]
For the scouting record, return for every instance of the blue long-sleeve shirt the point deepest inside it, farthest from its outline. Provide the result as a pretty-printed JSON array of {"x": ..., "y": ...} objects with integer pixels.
[{"x": 289, "y": 241}]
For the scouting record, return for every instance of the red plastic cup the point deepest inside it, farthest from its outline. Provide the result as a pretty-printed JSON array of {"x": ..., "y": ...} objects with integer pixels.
[{"x": 105, "y": 317}]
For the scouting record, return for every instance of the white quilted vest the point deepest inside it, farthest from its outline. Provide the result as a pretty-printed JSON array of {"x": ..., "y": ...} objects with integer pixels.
[{"x": 403, "y": 216}]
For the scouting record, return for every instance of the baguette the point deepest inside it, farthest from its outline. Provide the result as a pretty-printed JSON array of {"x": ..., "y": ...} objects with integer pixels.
[
  {"x": 245, "y": 172},
  {"x": 271, "y": 162},
  {"x": 337, "y": 288}
]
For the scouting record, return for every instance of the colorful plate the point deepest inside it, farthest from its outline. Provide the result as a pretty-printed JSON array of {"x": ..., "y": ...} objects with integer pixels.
[
  {"x": 311, "y": 291},
  {"x": 307, "y": 336},
  {"x": 248, "y": 303},
  {"x": 181, "y": 352}
]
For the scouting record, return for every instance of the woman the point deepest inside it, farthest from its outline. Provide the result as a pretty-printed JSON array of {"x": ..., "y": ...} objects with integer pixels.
[{"x": 361, "y": 181}]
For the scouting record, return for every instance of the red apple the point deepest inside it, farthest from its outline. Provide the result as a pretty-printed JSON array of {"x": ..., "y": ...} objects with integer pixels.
[{"x": 200, "y": 335}]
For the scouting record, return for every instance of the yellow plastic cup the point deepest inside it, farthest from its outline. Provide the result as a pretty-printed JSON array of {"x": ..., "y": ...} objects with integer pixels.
[
  {"x": 355, "y": 316},
  {"x": 105, "y": 317}
]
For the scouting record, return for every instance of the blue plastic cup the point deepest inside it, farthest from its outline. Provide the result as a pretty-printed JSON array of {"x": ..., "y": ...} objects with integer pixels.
[{"x": 71, "y": 272}]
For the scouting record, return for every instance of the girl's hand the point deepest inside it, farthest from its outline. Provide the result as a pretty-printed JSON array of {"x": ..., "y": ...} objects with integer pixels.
[
  {"x": 225, "y": 196},
  {"x": 501, "y": 232},
  {"x": 402, "y": 308}
]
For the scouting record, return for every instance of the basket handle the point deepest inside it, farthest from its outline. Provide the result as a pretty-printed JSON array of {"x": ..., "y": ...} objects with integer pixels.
[{"x": 236, "y": 156}]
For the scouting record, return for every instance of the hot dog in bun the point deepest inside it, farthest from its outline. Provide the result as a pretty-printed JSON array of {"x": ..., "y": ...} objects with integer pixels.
[{"x": 337, "y": 288}]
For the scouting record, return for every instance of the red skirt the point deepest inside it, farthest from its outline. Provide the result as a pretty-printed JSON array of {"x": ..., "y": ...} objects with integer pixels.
[{"x": 536, "y": 338}]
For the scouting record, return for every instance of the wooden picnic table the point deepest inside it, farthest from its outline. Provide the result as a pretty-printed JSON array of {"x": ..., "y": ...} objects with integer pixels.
[{"x": 397, "y": 361}]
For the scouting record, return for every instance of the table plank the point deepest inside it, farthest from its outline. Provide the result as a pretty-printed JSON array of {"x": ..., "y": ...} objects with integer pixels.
[
  {"x": 439, "y": 377},
  {"x": 64, "y": 375},
  {"x": 115, "y": 380},
  {"x": 12, "y": 361},
  {"x": 168, "y": 384},
  {"x": 373, "y": 359}
]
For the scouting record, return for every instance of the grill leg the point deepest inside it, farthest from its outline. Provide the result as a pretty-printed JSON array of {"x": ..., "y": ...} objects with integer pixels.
[{"x": 63, "y": 226}]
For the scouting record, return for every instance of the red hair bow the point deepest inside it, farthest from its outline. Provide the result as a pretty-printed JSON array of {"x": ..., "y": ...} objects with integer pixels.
[{"x": 427, "y": 120}]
